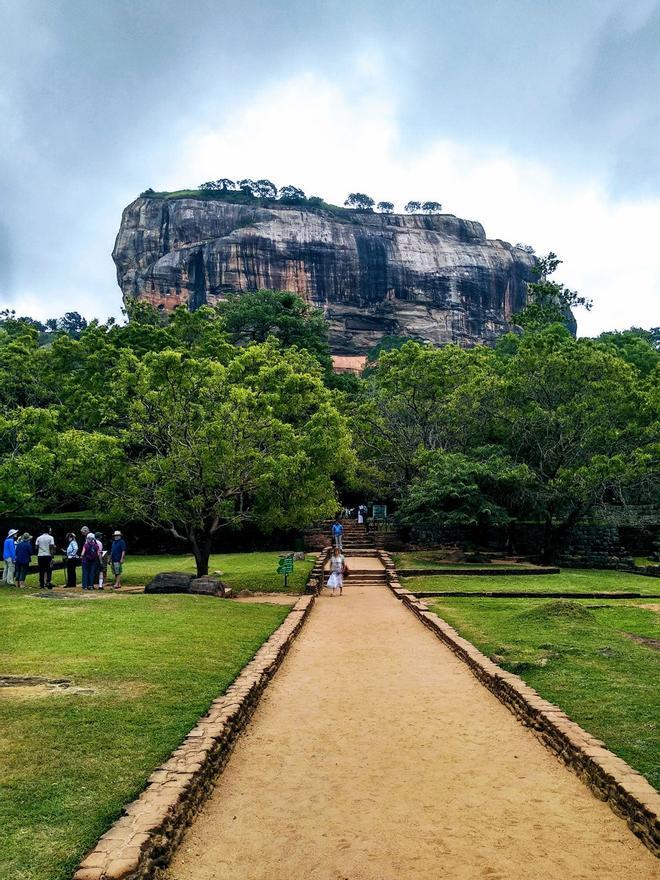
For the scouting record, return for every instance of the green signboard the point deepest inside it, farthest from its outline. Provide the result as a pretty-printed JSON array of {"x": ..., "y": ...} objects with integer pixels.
[{"x": 285, "y": 567}]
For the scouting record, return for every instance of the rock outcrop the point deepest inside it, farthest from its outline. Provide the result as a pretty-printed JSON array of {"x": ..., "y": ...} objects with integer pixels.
[{"x": 436, "y": 278}]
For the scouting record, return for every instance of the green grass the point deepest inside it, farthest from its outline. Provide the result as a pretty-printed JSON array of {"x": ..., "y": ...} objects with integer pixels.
[
  {"x": 575, "y": 654},
  {"x": 242, "y": 571},
  {"x": 68, "y": 762},
  {"x": 569, "y": 580},
  {"x": 433, "y": 559}
]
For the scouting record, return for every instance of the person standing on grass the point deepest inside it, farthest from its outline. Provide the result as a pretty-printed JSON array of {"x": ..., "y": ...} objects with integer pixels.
[
  {"x": 71, "y": 560},
  {"x": 337, "y": 533},
  {"x": 9, "y": 557},
  {"x": 23, "y": 557},
  {"x": 45, "y": 545},
  {"x": 337, "y": 571},
  {"x": 90, "y": 561},
  {"x": 117, "y": 556}
]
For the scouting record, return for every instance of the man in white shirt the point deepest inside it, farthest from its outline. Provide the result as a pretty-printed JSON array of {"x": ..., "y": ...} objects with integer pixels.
[{"x": 45, "y": 545}]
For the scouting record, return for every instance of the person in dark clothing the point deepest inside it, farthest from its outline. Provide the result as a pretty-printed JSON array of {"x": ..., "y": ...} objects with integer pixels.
[
  {"x": 71, "y": 560},
  {"x": 23, "y": 556},
  {"x": 45, "y": 545},
  {"x": 90, "y": 557},
  {"x": 117, "y": 556}
]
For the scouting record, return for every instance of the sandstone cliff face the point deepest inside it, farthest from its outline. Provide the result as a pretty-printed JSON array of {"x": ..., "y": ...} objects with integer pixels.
[{"x": 436, "y": 278}]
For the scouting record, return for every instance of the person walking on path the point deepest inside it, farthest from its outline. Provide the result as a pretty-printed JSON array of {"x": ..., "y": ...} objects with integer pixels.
[
  {"x": 71, "y": 560},
  {"x": 9, "y": 557},
  {"x": 90, "y": 561},
  {"x": 45, "y": 545},
  {"x": 337, "y": 572},
  {"x": 337, "y": 533},
  {"x": 23, "y": 557},
  {"x": 117, "y": 556}
]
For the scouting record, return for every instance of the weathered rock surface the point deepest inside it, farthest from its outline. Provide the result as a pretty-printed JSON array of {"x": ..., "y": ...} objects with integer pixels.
[
  {"x": 178, "y": 582},
  {"x": 436, "y": 278},
  {"x": 169, "y": 582}
]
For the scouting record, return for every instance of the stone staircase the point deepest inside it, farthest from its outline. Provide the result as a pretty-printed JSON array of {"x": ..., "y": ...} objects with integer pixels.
[
  {"x": 362, "y": 573},
  {"x": 356, "y": 536}
]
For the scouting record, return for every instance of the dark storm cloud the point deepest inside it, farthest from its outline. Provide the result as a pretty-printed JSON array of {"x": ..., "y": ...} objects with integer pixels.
[{"x": 96, "y": 96}]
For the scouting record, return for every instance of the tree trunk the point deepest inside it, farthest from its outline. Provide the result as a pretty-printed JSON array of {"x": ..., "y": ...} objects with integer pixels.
[
  {"x": 201, "y": 549},
  {"x": 548, "y": 549}
]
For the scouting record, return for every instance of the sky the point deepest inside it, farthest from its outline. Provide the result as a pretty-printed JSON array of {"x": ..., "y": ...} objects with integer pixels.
[{"x": 540, "y": 120}]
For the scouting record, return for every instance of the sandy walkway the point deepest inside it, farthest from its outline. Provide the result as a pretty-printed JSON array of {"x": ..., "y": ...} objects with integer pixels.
[{"x": 375, "y": 755}]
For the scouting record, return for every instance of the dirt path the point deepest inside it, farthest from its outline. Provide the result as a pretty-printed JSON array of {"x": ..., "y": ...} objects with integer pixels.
[{"x": 375, "y": 755}]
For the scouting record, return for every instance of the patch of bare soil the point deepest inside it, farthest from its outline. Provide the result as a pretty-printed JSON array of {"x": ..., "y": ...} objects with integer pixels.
[
  {"x": 31, "y": 687},
  {"x": 376, "y": 755},
  {"x": 643, "y": 640}
]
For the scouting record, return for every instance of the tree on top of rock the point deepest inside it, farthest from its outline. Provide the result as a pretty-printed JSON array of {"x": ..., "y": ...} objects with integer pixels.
[
  {"x": 413, "y": 207},
  {"x": 225, "y": 184},
  {"x": 431, "y": 207},
  {"x": 360, "y": 202},
  {"x": 385, "y": 207},
  {"x": 265, "y": 189},
  {"x": 291, "y": 194}
]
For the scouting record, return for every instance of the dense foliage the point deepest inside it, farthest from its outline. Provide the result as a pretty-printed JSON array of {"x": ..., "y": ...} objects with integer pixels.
[
  {"x": 543, "y": 427},
  {"x": 202, "y": 421},
  {"x": 169, "y": 422}
]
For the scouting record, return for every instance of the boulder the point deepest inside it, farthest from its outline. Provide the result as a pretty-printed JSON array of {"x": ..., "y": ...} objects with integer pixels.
[
  {"x": 169, "y": 582},
  {"x": 209, "y": 586}
]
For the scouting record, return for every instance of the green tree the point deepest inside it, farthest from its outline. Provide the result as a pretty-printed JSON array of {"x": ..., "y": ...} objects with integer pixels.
[
  {"x": 359, "y": 202},
  {"x": 413, "y": 207},
  {"x": 549, "y": 302},
  {"x": 209, "y": 447},
  {"x": 254, "y": 316},
  {"x": 385, "y": 207},
  {"x": 579, "y": 418},
  {"x": 291, "y": 195},
  {"x": 452, "y": 488},
  {"x": 431, "y": 207}
]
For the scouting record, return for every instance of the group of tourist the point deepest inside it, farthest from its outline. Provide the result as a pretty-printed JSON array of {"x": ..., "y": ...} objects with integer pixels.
[{"x": 88, "y": 552}]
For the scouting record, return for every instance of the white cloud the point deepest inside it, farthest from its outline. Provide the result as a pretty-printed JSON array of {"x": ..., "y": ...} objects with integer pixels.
[{"x": 331, "y": 138}]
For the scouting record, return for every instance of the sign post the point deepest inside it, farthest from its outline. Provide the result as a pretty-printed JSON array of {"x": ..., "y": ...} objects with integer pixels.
[{"x": 285, "y": 567}]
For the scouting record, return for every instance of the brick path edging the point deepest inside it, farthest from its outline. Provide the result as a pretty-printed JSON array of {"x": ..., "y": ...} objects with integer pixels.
[
  {"x": 140, "y": 843},
  {"x": 610, "y": 778}
]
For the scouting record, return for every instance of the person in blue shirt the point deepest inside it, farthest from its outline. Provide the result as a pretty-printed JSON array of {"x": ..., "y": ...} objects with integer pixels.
[
  {"x": 117, "y": 556},
  {"x": 9, "y": 557},
  {"x": 23, "y": 557},
  {"x": 71, "y": 560},
  {"x": 337, "y": 533}
]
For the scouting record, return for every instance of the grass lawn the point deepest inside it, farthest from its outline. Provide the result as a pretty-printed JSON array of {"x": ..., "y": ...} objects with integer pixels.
[
  {"x": 242, "y": 571},
  {"x": 569, "y": 580},
  {"x": 577, "y": 655},
  {"x": 433, "y": 559},
  {"x": 69, "y": 761}
]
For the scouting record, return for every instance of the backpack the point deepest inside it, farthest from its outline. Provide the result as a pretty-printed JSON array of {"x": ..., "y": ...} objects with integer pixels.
[{"x": 90, "y": 551}]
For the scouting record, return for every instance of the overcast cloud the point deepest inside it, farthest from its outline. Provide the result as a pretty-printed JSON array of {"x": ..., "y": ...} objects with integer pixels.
[{"x": 540, "y": 120}]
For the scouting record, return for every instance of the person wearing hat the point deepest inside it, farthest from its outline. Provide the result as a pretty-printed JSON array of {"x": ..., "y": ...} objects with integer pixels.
[
  {"x": 117, "y": 556},
  {"x": 9, "y": 557},
  {"x": 23, "y": 557}
]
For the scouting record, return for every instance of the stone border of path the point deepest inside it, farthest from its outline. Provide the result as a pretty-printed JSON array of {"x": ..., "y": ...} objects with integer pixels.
[
  {"x": 610, "y": 779},
  {"x": 140, "y": 843},
  {"x": 493, "y": 571},
  {"x": 522, "y": 594}
]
